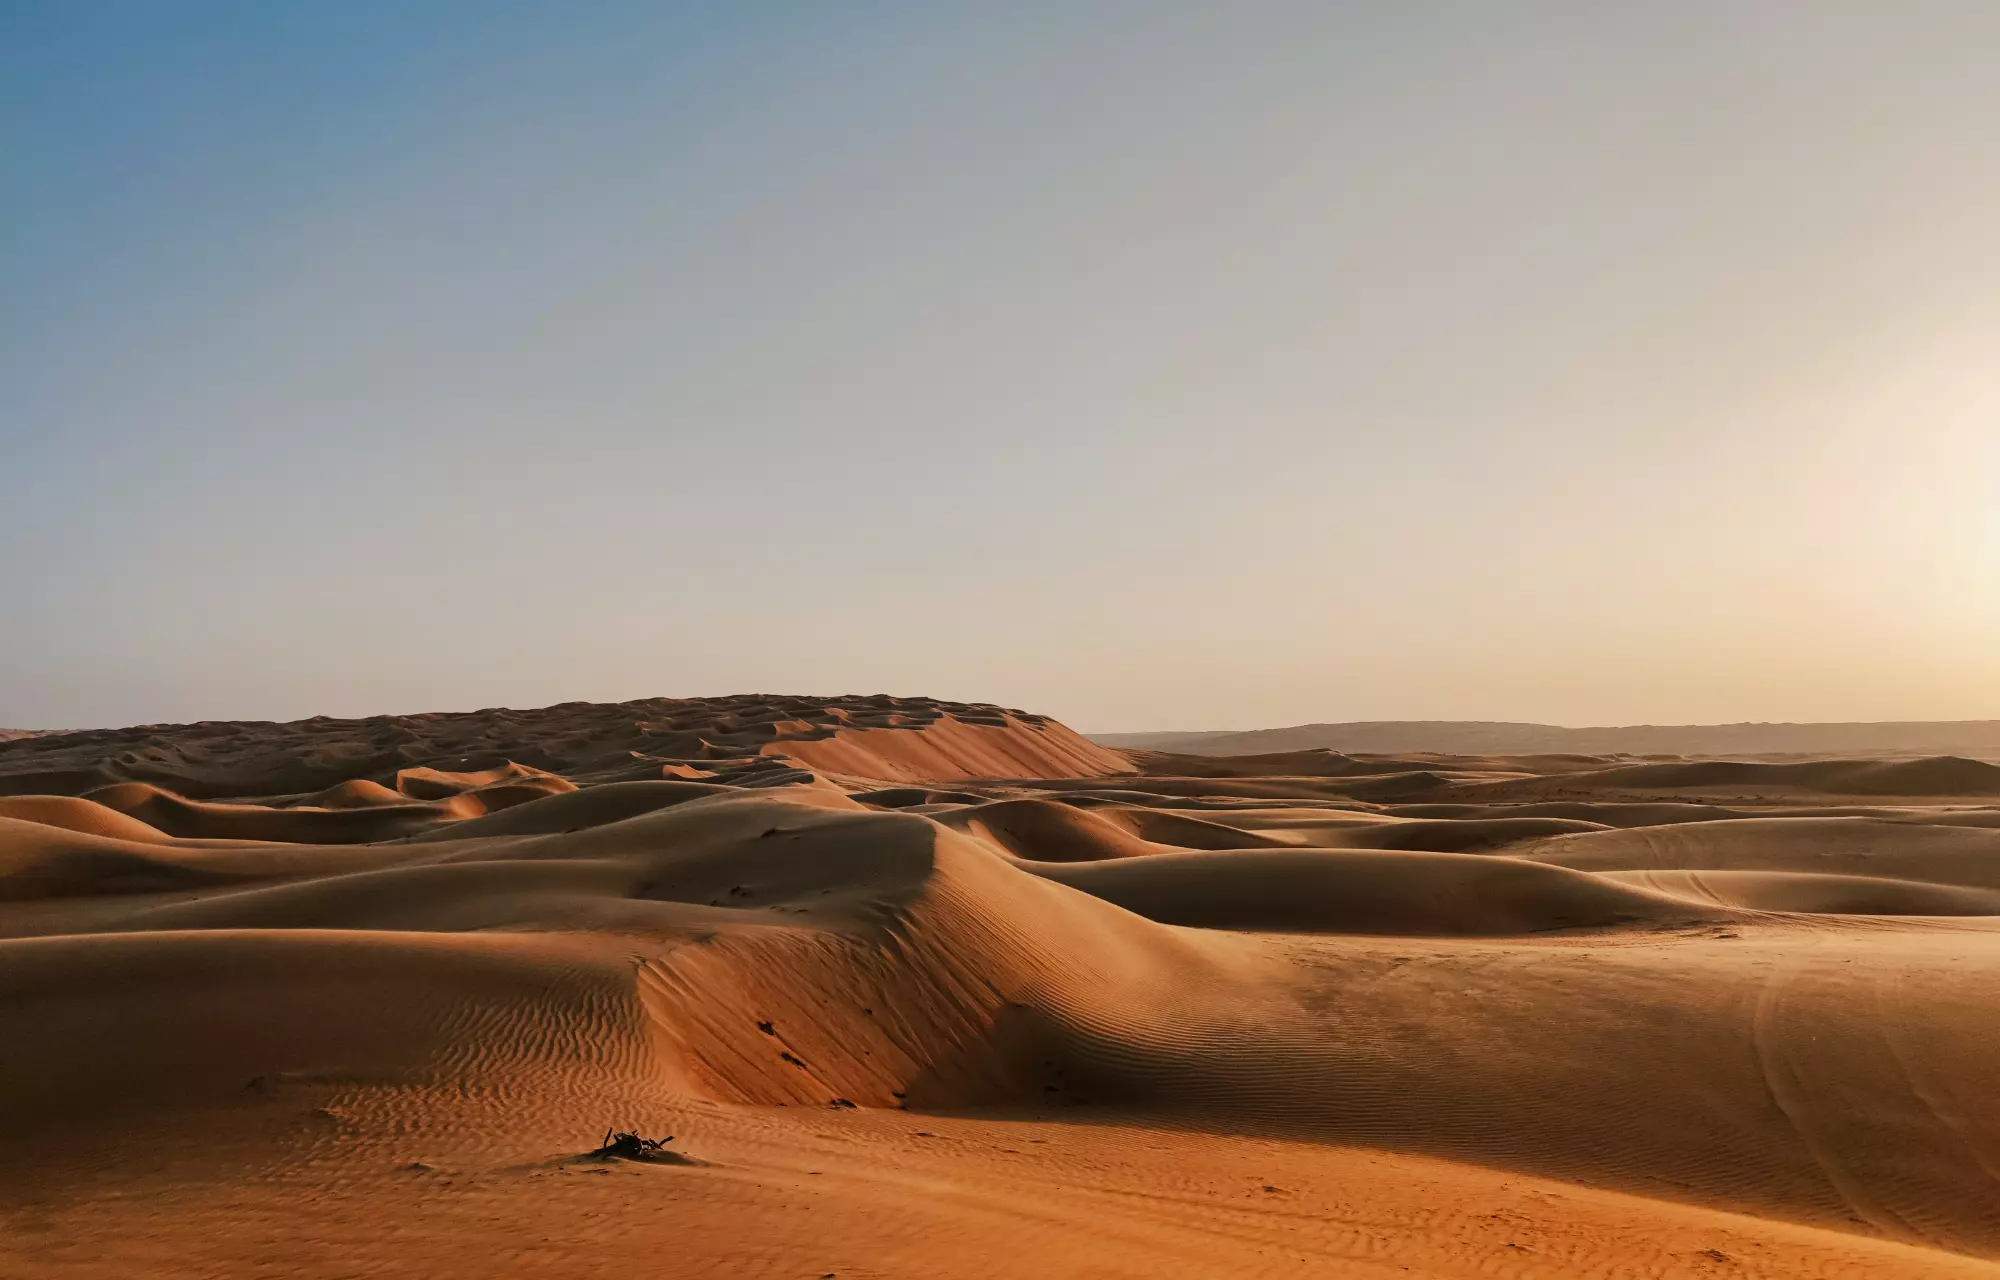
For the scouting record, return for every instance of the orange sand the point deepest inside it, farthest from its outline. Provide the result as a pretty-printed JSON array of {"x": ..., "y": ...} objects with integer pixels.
[{"x": 930, "y": 989}]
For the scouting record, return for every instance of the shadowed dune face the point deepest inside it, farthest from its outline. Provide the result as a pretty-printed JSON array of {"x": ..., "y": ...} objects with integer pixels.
[{"x": 1784, "y": 1015}]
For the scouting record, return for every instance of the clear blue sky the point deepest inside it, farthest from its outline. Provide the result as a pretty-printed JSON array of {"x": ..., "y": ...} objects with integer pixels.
[{"x": 1151, "y": 365}]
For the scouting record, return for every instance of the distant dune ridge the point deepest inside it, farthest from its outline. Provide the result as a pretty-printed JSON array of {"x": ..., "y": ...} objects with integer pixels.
[
  {"x": 1979, "y": 738},
  {"x": 922, "y": 988},
  {"x": 733, "y": 737}
]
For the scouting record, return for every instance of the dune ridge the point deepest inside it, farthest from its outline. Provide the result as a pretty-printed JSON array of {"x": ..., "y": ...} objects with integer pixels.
[
  {"x": 1978, "y": 738},
  {"x": 1680, "y": 1036},
  {"x": 733, "y": 738}
]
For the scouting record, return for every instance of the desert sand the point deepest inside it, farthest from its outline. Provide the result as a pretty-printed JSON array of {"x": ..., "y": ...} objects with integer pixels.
[
  {"x": 915, "y": 988},
  {"x": 1486, "y": 737}
]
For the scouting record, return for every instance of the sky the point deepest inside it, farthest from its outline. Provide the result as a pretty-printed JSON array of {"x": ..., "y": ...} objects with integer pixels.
[{"x": 1151, "y": 365}]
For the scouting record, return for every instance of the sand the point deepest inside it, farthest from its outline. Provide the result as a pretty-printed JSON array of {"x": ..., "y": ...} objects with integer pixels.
[
  {"x": 1979, "y": 738},
  {"x": 923, "y": 988}
]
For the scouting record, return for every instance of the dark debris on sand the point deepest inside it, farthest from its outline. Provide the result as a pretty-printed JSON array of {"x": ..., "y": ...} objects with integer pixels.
[{"x": 630, "y": 1146}]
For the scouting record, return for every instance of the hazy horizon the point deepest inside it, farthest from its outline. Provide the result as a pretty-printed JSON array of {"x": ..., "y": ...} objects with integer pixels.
[
  {"x": 1532, "y": 724},
  {"x": 1140, "y": 365},
  {"x": 1096, "y": 731}
]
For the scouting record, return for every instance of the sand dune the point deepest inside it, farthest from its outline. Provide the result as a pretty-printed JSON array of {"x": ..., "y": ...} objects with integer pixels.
[
  {"x": 1978, "y": 738},
  {"x": 426, "y": 756},
  {"x": 978, "y": 1022},
  {"x": 1514, "y": 781}
]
